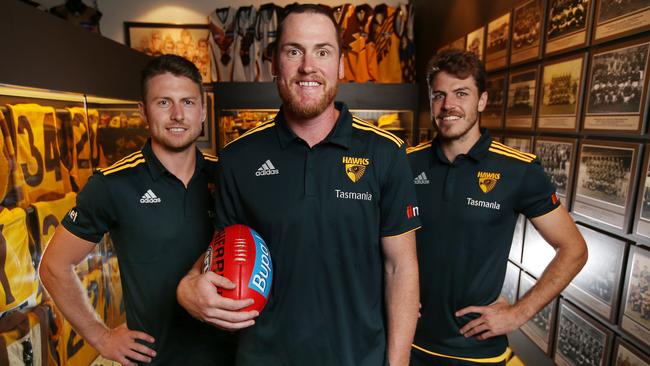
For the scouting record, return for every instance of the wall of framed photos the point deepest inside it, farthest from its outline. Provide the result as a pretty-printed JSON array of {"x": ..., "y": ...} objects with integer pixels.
[{"x": 568, "y": 81}]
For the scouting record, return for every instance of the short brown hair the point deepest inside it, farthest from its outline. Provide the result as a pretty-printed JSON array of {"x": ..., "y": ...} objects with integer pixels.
[
  {"x": 311, "y": 9},
  {"x": 458, "y": 63},
  {"x": 175, "y": 65}
]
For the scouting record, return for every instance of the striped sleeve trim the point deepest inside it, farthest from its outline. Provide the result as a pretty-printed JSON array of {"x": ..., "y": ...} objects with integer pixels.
[
  {"x": 116, "y": 169},
  {"x": 259, "y": 128},
  {"x": 510, "y": 152},
  {"x": 502, "y": 357},
  {"x": 210, "y": 157},
  {"x": 366, "y": 126},
  {"x": 123, "y": 162},
  {"x": 422, "y": 146}
]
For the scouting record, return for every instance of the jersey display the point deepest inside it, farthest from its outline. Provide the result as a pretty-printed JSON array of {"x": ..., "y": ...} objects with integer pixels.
[
  {"x": 39, "y": 173},
  {"x": 266, "y": 28},
  {"x": 485, "y": 190},
  {"x": 360, "y": 61},
  {"x": 6, "y": 158},
  {"x": 405, "y": 25},
  {"x": 80, "y": 148},
  {"x": 384, "y": 35},
  {"x": 222, "y": 36},
  {"x": 245, "y": 67},
  {"x": 97, "y": 157},
  {"x": 24, "y": 338},
  {"x": 18, "y": 280},
  {"x": 49, "y": 214}
]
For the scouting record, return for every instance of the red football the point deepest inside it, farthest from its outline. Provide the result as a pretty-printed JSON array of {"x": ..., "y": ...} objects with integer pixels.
[{"x": 240, "y": 254}]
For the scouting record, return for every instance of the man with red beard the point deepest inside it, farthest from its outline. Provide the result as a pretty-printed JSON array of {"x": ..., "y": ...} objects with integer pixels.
[
  {"x": 474, "y": 189},
  {"x": 333, "y": 199}
]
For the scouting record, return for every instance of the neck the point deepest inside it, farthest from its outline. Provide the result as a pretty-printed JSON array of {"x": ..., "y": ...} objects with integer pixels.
[
  {"x": 313, "y": 130},
  {"x": 459, "y": 146},
  {"x": 180, "y": 163}
]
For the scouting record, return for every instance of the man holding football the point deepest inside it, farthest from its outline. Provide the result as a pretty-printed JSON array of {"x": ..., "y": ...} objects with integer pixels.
[{"x": 333, "y": 198}]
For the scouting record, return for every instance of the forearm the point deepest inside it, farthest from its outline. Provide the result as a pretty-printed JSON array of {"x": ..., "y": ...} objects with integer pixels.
[
  {"x": 402, "y": 303},
  {"x": 67, "y": 291}
]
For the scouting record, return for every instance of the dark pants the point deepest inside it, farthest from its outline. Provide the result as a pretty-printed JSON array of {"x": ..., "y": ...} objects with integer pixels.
[{"x": 419, "y": 358}]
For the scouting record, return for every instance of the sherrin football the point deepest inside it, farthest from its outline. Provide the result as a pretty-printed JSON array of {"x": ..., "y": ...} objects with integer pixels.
[{"x": 240, "y": 254}]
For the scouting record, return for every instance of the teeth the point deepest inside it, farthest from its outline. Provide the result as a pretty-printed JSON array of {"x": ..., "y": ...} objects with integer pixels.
[
  {"x": 308, "y": 83},
  {"x": 450, "y": 118},
  {"x": 176, "y": 129}
]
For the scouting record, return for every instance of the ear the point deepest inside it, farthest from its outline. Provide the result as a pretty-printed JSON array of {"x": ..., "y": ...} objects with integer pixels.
[
  {"x": 143, "y": 112},
  {"x": 204, "y": 115},
  {"x": 341, "y": 68},
  {"x": 482, "y": 101}
]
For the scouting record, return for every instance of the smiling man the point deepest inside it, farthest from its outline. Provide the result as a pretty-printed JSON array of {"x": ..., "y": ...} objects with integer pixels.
[
  {"x": 471, "y": 191},
  {"x": 333, "y": 198},
  {"x": 155, "y": 204}
]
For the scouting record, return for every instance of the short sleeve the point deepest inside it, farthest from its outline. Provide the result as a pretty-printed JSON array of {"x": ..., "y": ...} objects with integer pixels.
[
  {"x": 93, "y": 215},
  {"x": 399, "y": 208},
  {"x": 537, "y": 194}
]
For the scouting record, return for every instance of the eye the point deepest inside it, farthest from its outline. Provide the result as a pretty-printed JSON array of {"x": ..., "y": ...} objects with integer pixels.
[
  {"x": 163, "y": 102},
  {"x": 437, "y": 96},
  {"x": 322, "y": 53},
  {"x": 189, "y": 102},
  {"x": 461, "y": 94},
  {"x": 294, "y": 52}
]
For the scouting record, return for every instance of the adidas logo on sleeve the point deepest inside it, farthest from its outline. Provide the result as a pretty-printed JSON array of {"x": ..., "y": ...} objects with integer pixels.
[
  {"x": 266, "y": 169},
  {"x": 421, "y": 179},
  {"x": 150, "y": 197}
]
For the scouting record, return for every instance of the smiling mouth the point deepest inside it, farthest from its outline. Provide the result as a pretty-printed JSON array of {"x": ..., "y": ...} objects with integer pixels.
[
  {"x": 309, "y": 84},
  {"x": 176, "y": 129},
  {"x": 448, "y": 118}
]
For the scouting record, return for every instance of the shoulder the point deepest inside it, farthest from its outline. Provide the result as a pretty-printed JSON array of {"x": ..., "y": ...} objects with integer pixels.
[
  {"x": 420, "y": 149},
  {"x": 368, "y": 130},
  {"x": 250, "y": 136},
  {"x": 126, "y": 165},
  {"x": 510, "y": 155},
  {"x": 211, "y": 160}
]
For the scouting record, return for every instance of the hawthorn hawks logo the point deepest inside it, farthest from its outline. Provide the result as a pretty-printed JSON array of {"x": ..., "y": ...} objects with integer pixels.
[
  {"x": 487, "y": 181},
  {"x": 355, "y": 168}
]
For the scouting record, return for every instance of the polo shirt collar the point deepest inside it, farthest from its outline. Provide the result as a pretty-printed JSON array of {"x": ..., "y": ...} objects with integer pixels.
[
  {"x": 476, "y": 153},
  {"x": 340, "y": 135},
  {"x": 156, "y": 168}
]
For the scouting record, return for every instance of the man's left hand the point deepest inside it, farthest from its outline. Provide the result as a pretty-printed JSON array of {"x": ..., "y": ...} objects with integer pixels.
[{"x": 496, "y": 319}]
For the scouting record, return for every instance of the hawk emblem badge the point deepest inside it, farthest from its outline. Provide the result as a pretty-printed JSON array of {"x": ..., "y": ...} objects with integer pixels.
[
  {"x": 487, "y": 181},
  {"x": 355, "y": 168}
]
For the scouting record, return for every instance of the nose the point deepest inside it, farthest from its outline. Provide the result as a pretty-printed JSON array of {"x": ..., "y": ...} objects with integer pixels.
[
  {"x": 177, "y": 113},
  {"x": 447, "y": 103},
  {"x": 307, "y": 64}
]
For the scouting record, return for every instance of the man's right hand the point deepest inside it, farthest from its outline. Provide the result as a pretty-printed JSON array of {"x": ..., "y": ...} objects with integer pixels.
[
  {"x": 119, "y": 344},
  {"x": 197, "y": 293}
]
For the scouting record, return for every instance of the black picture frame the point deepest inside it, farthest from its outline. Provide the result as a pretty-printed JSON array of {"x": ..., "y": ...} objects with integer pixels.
[
  {"x": 605, "y": 183},
  {"x": 567, "y": 25},
  {"x": 523, "y": 89},
  {"x": 497, "y": 44},
  {"x": 494, "y": 112},
  {"x": 475, "y": 42},
  {"x": 580, "y": 336},
  {"x": 174, "y": 39},
  {"x": 634, "y": 318},
  {"x": 523, "y": 143},
  {"x": 596, "y": 286},
  {"x": 207, "y": 141},
  {"x": 560, "y": 94},
  {"x": 541, "y": 327},
  {"x": 617, "y": 88},
  {"x": 527, "y": 29},
  {"x": 558, "y": 156},
  {"x": 625, "y": 354},
  {"x": 614, "y": 19},
  {"x": 641, "y": 227}
]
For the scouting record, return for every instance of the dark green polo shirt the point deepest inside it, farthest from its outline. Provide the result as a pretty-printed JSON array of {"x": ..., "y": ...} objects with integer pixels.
[
  {"x": 322, "y": 211},
  {"x": 159, "y": 229},
  {"x": 469, "y": 209}
]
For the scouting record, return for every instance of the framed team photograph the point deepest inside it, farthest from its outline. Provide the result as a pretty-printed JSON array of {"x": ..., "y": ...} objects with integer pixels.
[
  {"x": 580, "y": 340},
  {"x": 492, "y": 116},
  {"x": 567, "y": 25},
  {"x": 187, "y": 40},
  {"x": 498, "y": 43},
  {"x": 527, "y": 21},
  {"x": 510, "y": 283},
  {"x": 597, "y": 285},
  {"x": 207, "y": 141},
  {"x": 517, "y": 245},
  {"x": 635, "y": 317},
  {"x": 522, "y": 98},
  {"x": 605, "y": 182},
  {"x": 458, "y": 44},
  {"x": 626, "y": 354},
  {"x": 642, "y": 222},
  {"x": 537, "y": 252},
  {"x": 521, "y": 143},
  {"x": 476, "y": 42},
  {"x": 617, "y": 88},
  {"x": 541, "y": 326},
  {"x": 618, "y": 18},
  {"x": 557, "y": 156},
  {"x": 560, "y": 94}
]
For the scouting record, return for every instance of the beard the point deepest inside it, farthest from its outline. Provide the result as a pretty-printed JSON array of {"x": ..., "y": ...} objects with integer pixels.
[
  {"x": 295, "y": 107},
  {"x": 459, "y": 129}
]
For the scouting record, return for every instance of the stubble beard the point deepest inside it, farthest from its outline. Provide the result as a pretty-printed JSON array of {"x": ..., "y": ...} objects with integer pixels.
[{"x": 451, "y": 135}]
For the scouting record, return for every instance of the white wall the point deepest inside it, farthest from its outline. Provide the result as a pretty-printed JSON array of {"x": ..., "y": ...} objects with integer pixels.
[{"x": 116, "y": 12}]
